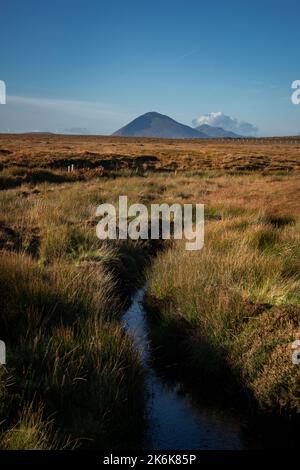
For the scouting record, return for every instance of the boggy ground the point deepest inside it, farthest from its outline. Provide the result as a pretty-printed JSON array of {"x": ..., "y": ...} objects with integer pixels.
[
  {"x": 37, "y": 158},
  {"x": 73, "y": 377}
]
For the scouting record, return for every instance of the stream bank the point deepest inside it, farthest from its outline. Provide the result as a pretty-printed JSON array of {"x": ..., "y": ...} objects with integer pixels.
[{"x": 175, "y": 420}]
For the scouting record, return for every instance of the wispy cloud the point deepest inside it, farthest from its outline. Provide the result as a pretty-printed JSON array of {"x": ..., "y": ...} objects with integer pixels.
[
  {"x": 23, "y": 113},
  {"x": 78, "y": 107}
]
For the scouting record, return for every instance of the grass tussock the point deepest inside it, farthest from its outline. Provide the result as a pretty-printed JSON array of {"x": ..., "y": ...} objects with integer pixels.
[
  {"x": 233, "y": 308},
  {"x": 31, "y": 432},
  {"x": 66, "y": 351}
]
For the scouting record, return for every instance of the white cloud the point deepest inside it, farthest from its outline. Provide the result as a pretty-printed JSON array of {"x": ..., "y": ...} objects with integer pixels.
[{"x": 219, "y": 119}]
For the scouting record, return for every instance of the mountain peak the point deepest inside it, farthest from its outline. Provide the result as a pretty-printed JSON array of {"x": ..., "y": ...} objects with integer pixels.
[
  {"x": 152, "y": 114},
  {"x": 154, "y": 124}
]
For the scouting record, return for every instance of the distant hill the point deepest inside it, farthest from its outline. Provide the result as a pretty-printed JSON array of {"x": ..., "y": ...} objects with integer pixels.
[
  {"x": 38, "y": 132},
  {"x": 158, "y": 125},
  {"x": 215, "y": 132}
]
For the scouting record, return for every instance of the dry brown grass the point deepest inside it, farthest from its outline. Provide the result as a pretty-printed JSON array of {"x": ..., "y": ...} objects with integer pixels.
[
  {"x": 235, "y": 305},
  {"x": 90, "y": 152},
  {"x": 67, "y": 356},
  {"x": 251, "y": 258}
]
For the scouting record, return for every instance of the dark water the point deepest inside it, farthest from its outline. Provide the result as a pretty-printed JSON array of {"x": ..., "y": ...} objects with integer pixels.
[{"x": 176, "y": 421}]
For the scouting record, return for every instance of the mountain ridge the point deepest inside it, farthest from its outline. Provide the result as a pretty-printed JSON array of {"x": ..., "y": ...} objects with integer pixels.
[{"x": 216, "y": 132}]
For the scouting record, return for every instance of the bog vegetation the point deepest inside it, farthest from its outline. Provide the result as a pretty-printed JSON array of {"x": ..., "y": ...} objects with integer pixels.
[{"x": 229, "y": 312}]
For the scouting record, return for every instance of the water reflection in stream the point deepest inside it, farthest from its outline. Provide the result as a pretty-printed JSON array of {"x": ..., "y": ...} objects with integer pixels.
[{"x": 175, "y": 421}]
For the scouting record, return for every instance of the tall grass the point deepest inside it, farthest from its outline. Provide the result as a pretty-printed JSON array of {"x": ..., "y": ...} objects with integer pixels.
[
  {"x": 67, "y": 352},
  {"x": 73, "y": 377},
  {"x": 31, "y": 432},
  {"x": 233, "y": 308}
]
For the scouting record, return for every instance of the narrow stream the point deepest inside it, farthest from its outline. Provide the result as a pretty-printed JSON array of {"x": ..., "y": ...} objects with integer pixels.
[{"x": 175, "y": 421}]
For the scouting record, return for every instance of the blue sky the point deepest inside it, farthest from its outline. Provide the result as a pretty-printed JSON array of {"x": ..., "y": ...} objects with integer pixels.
[{"x": 98, "y": 64}]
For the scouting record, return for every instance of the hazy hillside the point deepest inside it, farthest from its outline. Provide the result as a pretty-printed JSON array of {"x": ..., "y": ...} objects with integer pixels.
[{"x": 215, "y": 131}]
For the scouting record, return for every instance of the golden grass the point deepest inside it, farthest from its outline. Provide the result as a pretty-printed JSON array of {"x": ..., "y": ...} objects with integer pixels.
[
  {"x": 31, "y": 432},
  {"x": 62, "y": 290},
  {"x": 66, "y": 351},
  {"x": 235, "y": 304},
  {"x": 87, "y": 153}
]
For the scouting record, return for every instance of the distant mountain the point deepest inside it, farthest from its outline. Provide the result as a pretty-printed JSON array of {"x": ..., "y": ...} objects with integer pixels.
[
  {"x": 158, "y": 125},
  {"x": 215, "y": 132}
]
